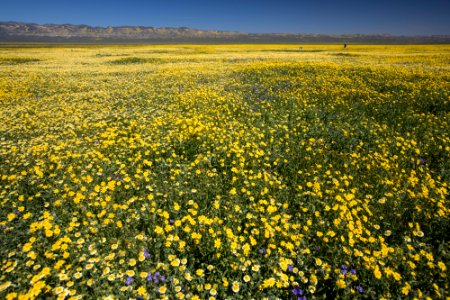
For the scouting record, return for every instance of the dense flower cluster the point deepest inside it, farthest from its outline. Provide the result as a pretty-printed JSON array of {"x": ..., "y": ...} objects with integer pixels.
[{"x": 225, "y": 172}]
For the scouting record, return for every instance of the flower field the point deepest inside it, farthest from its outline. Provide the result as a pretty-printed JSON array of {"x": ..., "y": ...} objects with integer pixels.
[{"x": 225, "y": 172}]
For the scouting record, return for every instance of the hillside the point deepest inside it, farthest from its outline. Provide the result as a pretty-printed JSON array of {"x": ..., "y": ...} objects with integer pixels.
[{"x": 27, "y": 32}]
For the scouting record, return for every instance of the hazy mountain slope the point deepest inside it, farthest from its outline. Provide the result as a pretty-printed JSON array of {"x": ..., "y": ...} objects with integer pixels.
[{"x": 26, "y": 32}]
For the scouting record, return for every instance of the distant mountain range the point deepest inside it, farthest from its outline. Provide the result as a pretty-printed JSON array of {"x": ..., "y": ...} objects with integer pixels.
[{"x": 67, "y": 33}]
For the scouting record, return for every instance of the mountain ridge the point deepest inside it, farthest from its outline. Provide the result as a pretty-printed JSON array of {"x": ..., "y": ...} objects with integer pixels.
[{"x": 33, "y": 32}]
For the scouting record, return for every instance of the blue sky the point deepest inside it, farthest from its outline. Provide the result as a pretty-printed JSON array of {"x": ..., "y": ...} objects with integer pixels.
[{"x": 320, "y": 16}]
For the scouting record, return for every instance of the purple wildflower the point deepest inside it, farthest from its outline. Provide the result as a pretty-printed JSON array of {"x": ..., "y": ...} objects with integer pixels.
[
  {"x": 290, "y": 267},
  {"x": 353, "y": 271},
  {"x": 359, "y": 289},
  {"x": 156, "y": 278},
  {"x": 146, "y": 254},
  {"x": 315, "y": 248},
  {"x": 302, "y": 298},
  {"x": 171, "y": 221},
  {"x": 129, "y": 280},
  {"x": 423, "y": 161},
  {"x": 262, "y": 250},
  {"x": 344, "y": 269},
  {"x": 297, "y": 291}
]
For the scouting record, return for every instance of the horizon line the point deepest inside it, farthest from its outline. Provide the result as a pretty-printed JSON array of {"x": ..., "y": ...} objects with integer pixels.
[{"x": 232, "y": 31}]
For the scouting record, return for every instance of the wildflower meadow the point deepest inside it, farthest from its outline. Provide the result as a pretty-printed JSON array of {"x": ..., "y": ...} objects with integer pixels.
[{"x": 224, "y": 172}]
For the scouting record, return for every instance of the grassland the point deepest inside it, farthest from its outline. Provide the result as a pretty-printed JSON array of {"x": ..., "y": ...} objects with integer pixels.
[{"x": 226, "y": 171}]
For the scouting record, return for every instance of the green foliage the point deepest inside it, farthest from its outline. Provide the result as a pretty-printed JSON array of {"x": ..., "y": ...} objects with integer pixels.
[
  {"x": 133, "y": 60},
  {"x": 17, "y": 60}
]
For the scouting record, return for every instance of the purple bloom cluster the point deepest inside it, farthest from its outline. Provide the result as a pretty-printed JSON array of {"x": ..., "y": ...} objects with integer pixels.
[
  {"x": 156, "y": 278},
  {"x": 129, "y": 280},
  {"x": 297, "y": 291},
  {"x": 344, "y": 270}
]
